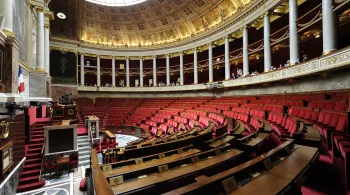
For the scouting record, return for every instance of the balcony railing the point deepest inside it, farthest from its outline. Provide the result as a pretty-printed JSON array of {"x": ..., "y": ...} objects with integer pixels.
[{"x": 335, "y": 60}]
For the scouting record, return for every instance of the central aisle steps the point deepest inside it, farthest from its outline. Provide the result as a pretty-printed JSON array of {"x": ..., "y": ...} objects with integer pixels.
[
  {"x": 30, "y": 176},
  {"x": 83, "y": 150}
]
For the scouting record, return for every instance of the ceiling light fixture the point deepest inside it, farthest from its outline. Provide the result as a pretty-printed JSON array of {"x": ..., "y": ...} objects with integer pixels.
[{"x": 61, "y": 15}]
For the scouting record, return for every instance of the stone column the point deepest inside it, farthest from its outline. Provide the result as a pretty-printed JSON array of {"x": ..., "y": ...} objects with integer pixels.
[
  {"x": 267, "y": 47},
  {"x": 48, "y": 16},
  {"x": 154, "y": 70},
  {"x": 98, "y": 71},
  {"x": 329, "y": 27},
  {"x": 113, "y": 71},
  {"x": 293, "y": 34},
  {"x": 40, "y": 41},
  {"x": 141, "y": 71},
  {"x": 47, "y": 49},
  {"x": 82, "y": 71},
  {"x": 195, "y": 66},
  {"x": 210, "y": 51},
  {"x": 127, "y": 72},
  {"x": 245, "y": 52},
  {"x": 168, "y": 70},
  {"x": 6, "y": 9},
  {"x": 181, "y": 68},
  {"x": 227, "y": 59}
]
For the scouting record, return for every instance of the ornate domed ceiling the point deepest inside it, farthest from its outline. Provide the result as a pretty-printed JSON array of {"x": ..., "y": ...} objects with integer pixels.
[{"x": 151, "y": 22}]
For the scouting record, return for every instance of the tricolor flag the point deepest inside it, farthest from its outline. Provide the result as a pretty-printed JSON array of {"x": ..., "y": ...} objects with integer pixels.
[{"x": 20, "y": 80}]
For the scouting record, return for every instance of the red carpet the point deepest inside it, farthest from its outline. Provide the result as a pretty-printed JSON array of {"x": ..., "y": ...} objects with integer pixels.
[
  {"x": 43, "y": 120},
  {"x": 323, "y": 178},
  {"x": 82, "y": 131},
  {"x": 29, "y": 179}
]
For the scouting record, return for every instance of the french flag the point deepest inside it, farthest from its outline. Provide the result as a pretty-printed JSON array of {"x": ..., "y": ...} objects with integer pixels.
[{"x": 20, "y": 80}]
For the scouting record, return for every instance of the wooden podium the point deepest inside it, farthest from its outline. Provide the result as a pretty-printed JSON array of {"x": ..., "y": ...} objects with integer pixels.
[
  {"x": 93, "y": 126},
  {"x": 70, "y": 112}
]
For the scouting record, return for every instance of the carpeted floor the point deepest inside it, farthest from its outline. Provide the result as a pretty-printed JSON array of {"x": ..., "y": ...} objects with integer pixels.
[
  {"x": 323, "y": 178},
  {"x": 82, "y": 131}
]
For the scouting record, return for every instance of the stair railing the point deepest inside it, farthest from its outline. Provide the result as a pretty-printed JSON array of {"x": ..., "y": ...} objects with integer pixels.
[
  {"x": 42, "y": 171},
  {"x": 10, "y": 184}
]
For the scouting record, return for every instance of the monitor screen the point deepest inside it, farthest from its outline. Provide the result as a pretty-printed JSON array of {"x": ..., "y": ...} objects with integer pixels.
[{"x": 61, "y": 140}]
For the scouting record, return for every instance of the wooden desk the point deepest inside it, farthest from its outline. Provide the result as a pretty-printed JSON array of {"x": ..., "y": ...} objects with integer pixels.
[
  {"x": 132, "y": 152},
  {"x": 156, "y": 162},
  {"x": 61, "y": 161},
  {"x": 92, "y": 117},
  {"x": 269, "y": 182},
  {"x": 154, "y": 179},
  {"x": 222, "y": 141},
  {"x": 240, "y": 128},
  {"x": 109, "y": 135},
  {"x": 276, "y": 179},
  {"x": 203, "y": 180},
  {"x": 257, "y": 140},
  {"x": 65, "y": 122},
  {"x": 264, "y": 184},
  {"x": 100, "y": 183}
]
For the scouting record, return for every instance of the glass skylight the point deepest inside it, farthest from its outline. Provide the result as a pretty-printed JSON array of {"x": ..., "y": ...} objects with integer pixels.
[{"x": 116, "y": 2}]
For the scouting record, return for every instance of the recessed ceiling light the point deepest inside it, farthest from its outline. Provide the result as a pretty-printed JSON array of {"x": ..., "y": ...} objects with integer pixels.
[{"x": 61, "y": 15}]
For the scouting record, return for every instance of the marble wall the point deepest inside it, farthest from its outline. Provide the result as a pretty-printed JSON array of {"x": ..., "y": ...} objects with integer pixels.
[
  {"x": 20, "y": 28},
  {"x": 37, "y": 84},
  {"x": 338, "y": 80}
]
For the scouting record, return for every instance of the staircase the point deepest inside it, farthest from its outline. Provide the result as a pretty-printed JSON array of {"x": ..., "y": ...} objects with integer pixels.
[
  {"x": 83, "y": 150},
  {"x": 30, "y": 176}
]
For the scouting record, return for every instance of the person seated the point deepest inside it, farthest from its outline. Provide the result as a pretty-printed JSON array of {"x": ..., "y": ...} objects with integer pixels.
[
  {"x": 239, "y": 73},
  {"x": 177, "y": 84},
  {"x": 287, "y": 64},
  {"x": 280, "y": 67},
  {"x": 305, "y": 58},
  {"x": 233, "y": 76}
]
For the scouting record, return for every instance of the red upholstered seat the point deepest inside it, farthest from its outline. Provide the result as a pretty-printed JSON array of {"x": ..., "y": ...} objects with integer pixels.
[
  {"x": 308, "y": 113},
  {"x": 337, "y": 139},
  {"x": 326, "y": 121},
  {"x": 314, "y": 115},
  {"x": 73, "y": 160},
  {"x": 340, "y": 106},
  {"x": 83, "y": 185},
  {"x": 342, "y": 123},
  {"x": 344, "y": 147},
  {"x": 302, "y": 113},
  {"x": 49, "y": 166}
]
